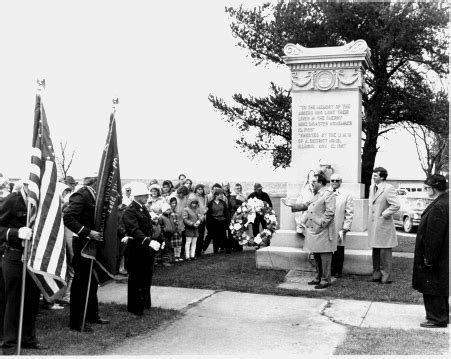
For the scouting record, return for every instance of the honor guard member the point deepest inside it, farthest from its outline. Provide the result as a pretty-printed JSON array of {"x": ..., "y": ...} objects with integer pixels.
[
  {"x": 142, "y": 249},
  {"x": 79, "y": 217},
  {"x": 4, "y": 192},
  {"x": 14, "y": 233}
]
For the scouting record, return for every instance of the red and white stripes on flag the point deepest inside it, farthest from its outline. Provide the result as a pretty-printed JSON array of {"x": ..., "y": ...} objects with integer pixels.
[{"x": 47, "y": 257}]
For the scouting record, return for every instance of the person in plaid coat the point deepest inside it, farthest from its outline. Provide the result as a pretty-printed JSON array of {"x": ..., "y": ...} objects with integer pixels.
[{"x": 176, "y": 238}]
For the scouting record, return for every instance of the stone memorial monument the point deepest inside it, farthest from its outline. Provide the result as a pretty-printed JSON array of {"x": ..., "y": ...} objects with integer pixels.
[{"x": 327, "y": 87}]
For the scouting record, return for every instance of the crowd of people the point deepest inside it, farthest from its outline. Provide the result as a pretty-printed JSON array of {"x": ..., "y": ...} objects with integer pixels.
[
  {"x": 165, "y": 224},
  {"x": 158, "y": 223}
]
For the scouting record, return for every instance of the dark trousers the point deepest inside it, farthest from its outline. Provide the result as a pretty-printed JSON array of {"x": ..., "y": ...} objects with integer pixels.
[
  {"x": 79, "y": 288},
  {"x": 259, "y": 219},
  {"x": 182, "y": 253},
  {"x": 218, "y": 232},
  {"x": 140, "y": 272},
  {"x": 323, "y": 265},
  {"x": 437, "y": 308},
  {"x": 338, "y": 258},
  {"x": 382, "y": 263},
  {"x": 2, "y": 297},
  {"x": 200, "y": 239},
  {"x": 12, "y": 275}
]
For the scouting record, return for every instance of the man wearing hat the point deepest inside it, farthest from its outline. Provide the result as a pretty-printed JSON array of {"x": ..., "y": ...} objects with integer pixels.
[
  {"x": 79, "y": 217},
  {"x": 259, "y": 219},
  {"x": 142, "y": 248},
  {"x": 14, "y": 234},
  {"x": 71, "y": 182}
]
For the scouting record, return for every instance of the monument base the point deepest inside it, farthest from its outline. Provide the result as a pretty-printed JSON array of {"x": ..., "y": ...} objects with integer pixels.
[{"x": 286, "y": 252}]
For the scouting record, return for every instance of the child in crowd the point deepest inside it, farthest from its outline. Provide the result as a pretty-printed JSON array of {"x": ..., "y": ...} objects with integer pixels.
[
  {"x": 176, "y": 238},
  {"x": 192, "y": 219},
  {"x": 168, "y": 229}
]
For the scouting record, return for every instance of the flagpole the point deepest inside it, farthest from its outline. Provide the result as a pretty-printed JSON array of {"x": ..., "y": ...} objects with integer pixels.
[
  {"x": 87, "y": 297},
  {"x": 115, "y": 103},
  {"x": 41, "y": 86}
]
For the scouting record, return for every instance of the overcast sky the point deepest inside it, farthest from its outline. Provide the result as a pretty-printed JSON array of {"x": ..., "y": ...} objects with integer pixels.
[{"x": 162, "y": 59}]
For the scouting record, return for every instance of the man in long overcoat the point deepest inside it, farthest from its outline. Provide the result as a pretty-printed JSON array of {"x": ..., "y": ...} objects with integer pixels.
[
  {"x": 383, "y": 203},
  {"x": 321, "y": 236},
  {"x": 344, "y": 213},
  {"x": 431, "y": 260}
]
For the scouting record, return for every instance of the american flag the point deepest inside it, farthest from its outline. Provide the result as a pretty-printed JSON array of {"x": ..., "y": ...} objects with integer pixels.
[{"x": 47, "y": 260}]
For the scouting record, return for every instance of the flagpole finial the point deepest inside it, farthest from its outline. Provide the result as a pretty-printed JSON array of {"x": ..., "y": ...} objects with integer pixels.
[
  {"x": 41, "y": 84},
  {"x": 115, "y": 103}
]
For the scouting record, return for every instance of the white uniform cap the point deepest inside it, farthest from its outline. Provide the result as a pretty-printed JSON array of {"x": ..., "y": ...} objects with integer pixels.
[{"x": 139, "y": 189}]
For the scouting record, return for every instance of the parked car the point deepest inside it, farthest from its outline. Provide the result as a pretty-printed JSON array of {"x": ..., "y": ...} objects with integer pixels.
[{"x": 412, "y": 206}]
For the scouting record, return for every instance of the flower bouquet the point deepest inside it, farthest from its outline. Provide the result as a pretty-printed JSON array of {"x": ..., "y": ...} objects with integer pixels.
[{"x": 241, "y": 228}]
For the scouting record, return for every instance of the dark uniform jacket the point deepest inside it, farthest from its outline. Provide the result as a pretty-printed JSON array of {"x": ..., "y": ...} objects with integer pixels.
[
  {"x": 138, "y": 225},
  {"x": 432, "y": 243},
  {"x": 13, "y": 215},
  {"x": 79, "y": 215}
]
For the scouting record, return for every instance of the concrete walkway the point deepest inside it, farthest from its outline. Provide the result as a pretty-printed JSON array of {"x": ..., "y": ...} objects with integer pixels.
[{"x": 233, "y": 323}]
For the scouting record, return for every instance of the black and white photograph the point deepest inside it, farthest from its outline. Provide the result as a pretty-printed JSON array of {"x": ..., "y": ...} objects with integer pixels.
[{"x": 224, "y": 178}]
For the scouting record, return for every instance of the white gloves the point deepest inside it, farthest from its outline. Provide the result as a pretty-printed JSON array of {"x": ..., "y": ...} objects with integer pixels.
[
  {"x": 25, "y": 233},
  {"x": 124, "y": 240},
  {"x": 155, "y": 245},
  {"x": 163, "y": 245}
]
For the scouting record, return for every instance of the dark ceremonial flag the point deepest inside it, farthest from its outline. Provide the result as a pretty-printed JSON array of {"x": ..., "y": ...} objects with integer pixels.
[{"x": 107, "y": 200}]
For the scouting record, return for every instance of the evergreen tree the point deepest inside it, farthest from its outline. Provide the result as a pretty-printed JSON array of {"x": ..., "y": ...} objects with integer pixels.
[{"x": 408, "y": 42}]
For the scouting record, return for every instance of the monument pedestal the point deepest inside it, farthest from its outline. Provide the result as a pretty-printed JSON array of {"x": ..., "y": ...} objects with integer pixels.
[{"x": 286, "y": 253}]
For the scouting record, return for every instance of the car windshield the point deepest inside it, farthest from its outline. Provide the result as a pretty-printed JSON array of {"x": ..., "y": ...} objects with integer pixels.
[{"x": 418, "y": 203}]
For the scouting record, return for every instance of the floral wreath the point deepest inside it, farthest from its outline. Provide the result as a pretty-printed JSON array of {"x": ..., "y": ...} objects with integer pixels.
[{"x": 245, "y": 215}]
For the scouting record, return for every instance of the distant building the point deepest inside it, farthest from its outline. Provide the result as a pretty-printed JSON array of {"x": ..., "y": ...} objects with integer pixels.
[{"x": 408, "y": 184}]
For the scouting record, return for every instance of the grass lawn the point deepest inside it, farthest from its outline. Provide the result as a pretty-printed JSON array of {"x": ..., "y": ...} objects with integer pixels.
[
  {"x": 381, "y": 341},
  {"x": 52, "y": 329},
  {"x": 237, "y": 272},
  {"x": 405, "y": 244}
]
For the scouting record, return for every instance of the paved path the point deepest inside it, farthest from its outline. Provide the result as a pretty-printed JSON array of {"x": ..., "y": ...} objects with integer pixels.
[{"x": 233, "y": 323}]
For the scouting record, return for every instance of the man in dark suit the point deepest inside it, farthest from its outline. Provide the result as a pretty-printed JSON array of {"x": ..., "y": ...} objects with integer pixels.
[
  {"x": 14, "y": 233},
  {"x": 259, "y": 219},
  {"x": 431, "y": 260},
  {"x": 141, "y": 250},
  {"x": 79, "y": 217}
]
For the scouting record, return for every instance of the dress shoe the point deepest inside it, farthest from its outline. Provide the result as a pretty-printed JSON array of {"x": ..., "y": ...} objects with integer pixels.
[
  {"x": 374, "y": 280},
  {"x": 314, "y": 282},
  {"x": 337, "y": 275},
  {"x": 429, "y": 324},
  {"x": 322, "y": 285},
  {"x": 99, "y": 321},
  {"x": 37, "y": 346},
  {"x": 87, "y": 329},
  {"x": 386, "y": 282}
]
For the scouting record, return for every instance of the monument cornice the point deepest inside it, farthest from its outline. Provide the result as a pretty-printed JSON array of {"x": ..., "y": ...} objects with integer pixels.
[{"x": 355, "y": 51}]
